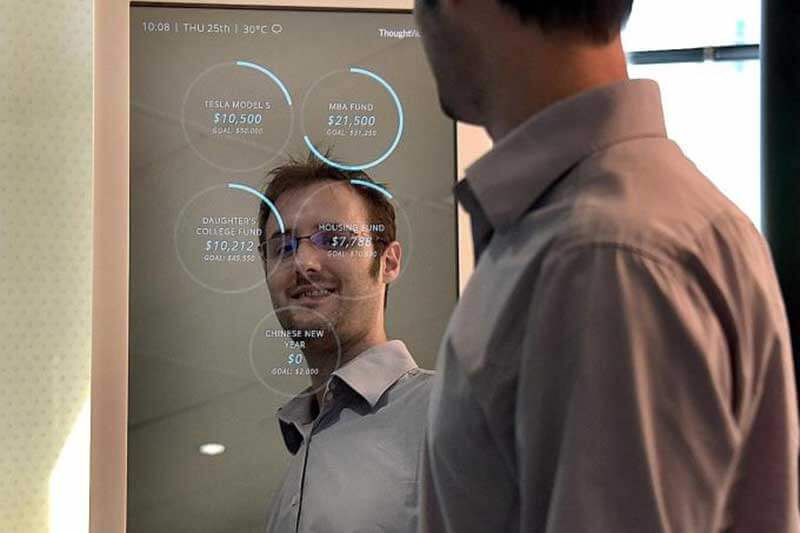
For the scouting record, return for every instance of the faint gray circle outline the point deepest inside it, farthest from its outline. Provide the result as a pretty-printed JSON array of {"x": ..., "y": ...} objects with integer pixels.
[
  {"x": 197, "y": 151},
  {"x": 186, "y": 269},
  {"x": 337, "y": 164},
  {"x": 274, "y": 312},
  {"x": 403, "y": 263},
  {"x": 275, "y": 213}
]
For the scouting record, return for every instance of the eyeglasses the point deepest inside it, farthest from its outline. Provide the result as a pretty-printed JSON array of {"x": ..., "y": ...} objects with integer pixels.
[{"x": 285, "y": 245}]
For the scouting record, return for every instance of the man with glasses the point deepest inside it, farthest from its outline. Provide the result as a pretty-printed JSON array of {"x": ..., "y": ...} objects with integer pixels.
[{"x": 356, "y": 432}]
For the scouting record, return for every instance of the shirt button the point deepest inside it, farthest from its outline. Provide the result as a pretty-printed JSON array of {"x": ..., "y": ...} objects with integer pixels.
[
  {"x": 328, "y": 396},
  {"x": 332, "y": 385},
  {"x": 295, "y": 499}
]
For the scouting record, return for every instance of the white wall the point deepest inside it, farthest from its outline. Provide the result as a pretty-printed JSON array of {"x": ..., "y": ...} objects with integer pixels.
[{"x": 45, "y": 264}]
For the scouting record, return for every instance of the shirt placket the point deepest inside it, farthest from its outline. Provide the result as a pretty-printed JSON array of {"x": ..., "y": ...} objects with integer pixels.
[{"x": 308, "y": 431}]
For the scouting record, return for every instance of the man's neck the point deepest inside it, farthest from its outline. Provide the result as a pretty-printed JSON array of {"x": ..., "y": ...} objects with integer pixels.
[{"x": 551, "y": 71}]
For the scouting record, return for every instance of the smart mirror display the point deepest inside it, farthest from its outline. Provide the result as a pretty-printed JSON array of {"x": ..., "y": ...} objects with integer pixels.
[{"x": 222, "y": 99}]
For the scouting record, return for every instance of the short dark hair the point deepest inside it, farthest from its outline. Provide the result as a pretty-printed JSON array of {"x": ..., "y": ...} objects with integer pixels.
[
  {"x": 599, "y": 20},
  {"x": 297, "y": 173}
]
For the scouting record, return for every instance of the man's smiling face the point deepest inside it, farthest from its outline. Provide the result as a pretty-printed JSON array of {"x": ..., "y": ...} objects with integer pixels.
[{"x": 313, "y": 282}]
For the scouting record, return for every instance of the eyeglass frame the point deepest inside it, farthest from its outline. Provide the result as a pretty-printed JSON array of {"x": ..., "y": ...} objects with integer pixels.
[{"x": 263, "y": 247}]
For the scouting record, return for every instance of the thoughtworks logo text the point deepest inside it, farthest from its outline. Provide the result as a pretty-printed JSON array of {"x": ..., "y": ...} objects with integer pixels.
[{"x": 398, "y": 34}]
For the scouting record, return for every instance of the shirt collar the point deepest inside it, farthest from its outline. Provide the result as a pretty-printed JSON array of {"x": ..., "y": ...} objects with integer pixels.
[
  {"x": 370, "y": 374},
  {"x": 376, "y": 369},
  {"x": 501, "y": 186}
]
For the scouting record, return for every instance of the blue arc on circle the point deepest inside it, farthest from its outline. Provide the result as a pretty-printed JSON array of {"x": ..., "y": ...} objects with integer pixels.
[
  {"x": 270, "y": 75},
  {"x": 391, "y": 149},
  {"x": 373, "y": 186},
  {"x": 263, "y": 199}
]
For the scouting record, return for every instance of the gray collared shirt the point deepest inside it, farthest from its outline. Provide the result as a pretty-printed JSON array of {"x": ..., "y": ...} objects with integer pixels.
[
  {"x": 620, "y": 360},
  {"x": 355, "y": 465}
]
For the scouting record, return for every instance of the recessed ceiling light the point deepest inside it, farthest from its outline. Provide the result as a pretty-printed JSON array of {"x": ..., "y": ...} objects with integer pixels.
[{"x": 212, "y": 448}]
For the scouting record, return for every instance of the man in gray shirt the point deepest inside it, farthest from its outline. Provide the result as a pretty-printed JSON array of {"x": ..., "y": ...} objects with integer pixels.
[
  {"x": 620, "y": 359},
  {"x": 356, "y": 433}
]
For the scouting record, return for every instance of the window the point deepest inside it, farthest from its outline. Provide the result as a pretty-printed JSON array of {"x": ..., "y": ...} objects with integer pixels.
[
  {"x": 659, "y": 25},
  {"x": 712, "y": 108}
]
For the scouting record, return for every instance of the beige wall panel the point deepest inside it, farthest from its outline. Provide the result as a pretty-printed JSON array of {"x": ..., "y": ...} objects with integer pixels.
[{"x": 45, "y": 264}]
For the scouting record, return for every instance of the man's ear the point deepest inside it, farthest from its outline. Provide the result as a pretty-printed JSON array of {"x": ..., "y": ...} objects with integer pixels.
[{"x": 390, "y": 262}]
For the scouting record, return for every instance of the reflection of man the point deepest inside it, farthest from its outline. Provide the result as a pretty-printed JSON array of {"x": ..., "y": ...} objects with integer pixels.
[
  {"x": 620, "y": 359},
  {"x": 356, "y": 432}
]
